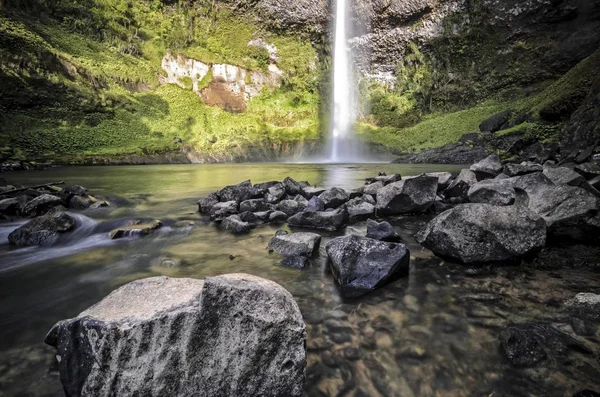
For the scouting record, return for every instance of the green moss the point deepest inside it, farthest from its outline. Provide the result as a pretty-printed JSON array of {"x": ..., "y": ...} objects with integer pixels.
[{"x": 186, "y": 82}]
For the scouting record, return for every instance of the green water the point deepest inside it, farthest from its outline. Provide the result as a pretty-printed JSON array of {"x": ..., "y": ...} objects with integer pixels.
[{"x": 434, "y": 333}]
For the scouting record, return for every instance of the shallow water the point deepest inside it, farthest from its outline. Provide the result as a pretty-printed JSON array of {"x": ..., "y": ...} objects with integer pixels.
[{"x": 434, "y": 333}]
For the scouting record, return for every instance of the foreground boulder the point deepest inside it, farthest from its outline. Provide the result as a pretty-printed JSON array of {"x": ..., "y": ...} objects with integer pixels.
[
  {"x": 40, "y": 205},
  {"x": 231, "y": 335},
  {"x": 360, "y": 265},
  {"x": 325, "y": 220},
  {"x": 407, "y": 196},
  {"x": 43, "y": 230},
  {"x": 483, "y": 233}
]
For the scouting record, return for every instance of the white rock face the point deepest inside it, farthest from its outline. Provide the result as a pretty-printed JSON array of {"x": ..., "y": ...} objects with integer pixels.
[{"x": 230, "y": 335}]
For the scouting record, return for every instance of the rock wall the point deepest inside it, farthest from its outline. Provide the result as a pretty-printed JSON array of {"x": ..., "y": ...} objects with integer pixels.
[{"x": 229, "y": 87}]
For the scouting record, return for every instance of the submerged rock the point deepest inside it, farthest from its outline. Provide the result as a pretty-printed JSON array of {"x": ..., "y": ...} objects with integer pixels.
[
  {"x": 382, "y": 231},
  {"x": 407, "y": 196},
  {"x": 290, "y": 207},
  {"x": 360, "y": 265},
  {"x": 295, "y": 244},
  {"x": 489, "y": 167},
  {"x": 231, "y": 335},
  {"x": 236, "y": 225},
  {"x": 326, "y": 220},
  {"x": 334, "y": 197},
  {"x": 40, "y": 205},
  {"x": 80, "y": 202},
  {"x": 295, "y": 261},
  {"x": 484, "y": 233},
  {"x": 141, "y": 229},
  {"x": 43, "y": 230}
]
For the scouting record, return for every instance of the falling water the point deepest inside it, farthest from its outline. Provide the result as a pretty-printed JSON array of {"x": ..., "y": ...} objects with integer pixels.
[{"x": 343, "y": 146}]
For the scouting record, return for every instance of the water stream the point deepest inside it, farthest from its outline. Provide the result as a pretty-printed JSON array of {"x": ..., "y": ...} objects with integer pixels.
[{"x": 434, "y": 333}]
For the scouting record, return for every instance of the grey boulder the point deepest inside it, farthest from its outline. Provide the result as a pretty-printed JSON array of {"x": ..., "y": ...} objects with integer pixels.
[
  {"x": 290, "y": 207},
  {"x": 223, "y": 210},
  {"x": 230, "y": 335},
  {"x": 564, "y": 176},
  {"x": 359, "y": 209},
  {"x": 205, "y": 204},
  {"x": 311, "y": 191},
  {"x": 315, "y": 204},
  {"x": 489, "y": 167},
  {"x": 40, "y": 205},
  {"x": 275, "y": 194},
  {"x": 238, "y": 193},
  {"x": 10, "y": 206},
  {"x": 373, "y": 188},
  {"x": 459, "y": 188},
  {"x": 43, "y": 231},
  {"x": 292, "y": 187},
  {"x": 360, "y": 265},
  {"x": 325, "y": 220},
  {"x": 255, "y": 205},
  {"x": 295, "y": 244},
  {"x": 334, "y": 197},
  {"x": 407, "y": 196},
  {"x": 491, "y": 191},
  {"x": 236, "y": 225},
  {"x": 382, "y": 231},
  {"x": 524, "y": 168},
  {"x": 484, "y": 233},
  {"x": 278, "y": 217}
]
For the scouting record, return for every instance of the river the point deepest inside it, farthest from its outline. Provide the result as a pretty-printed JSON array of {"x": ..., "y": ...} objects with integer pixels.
[{"x": 434, "y": 333}]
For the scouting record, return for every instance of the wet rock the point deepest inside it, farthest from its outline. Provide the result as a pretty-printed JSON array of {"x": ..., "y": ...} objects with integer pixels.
[
  {"x": 367, "y": 198},
  {"x": 181, "y": 336},
  {"x": 373, "y": 188},
  {"x": 585, "y": 305},
  {"x": 73, "y": 190},
  {"x": 141, "y": 229},
  {"x": 80, "y": 202},
  {"x": 278, "y": 217},
  {"x": 496, "y": 122},
  {"x": 586, "y": 393},
  {"x": 290, "y": 207},
  {"x": 251, "y": 218},
  {"x": 100, "y": 204},
  {"x": 261, "y": 188},
  {"x": 275, "y": 194},
  {"x": 10, "y": 206},
  {"x": 262, "y": 215},
  {"x": 334, "y": 197},
  {"x": 588, "y": 170},
  {"x": 382, "y": 231},
  {"x": 296, "y": 262},
  {"x": 358, "y": 209},
  {"x": 206, "y": 204},
  {"x": 491, "y": 191},
  {"x": 325, "y": 220},
  {"x": 354, "y": 193},
  {"x": 352, "y": 353},
  {"x": 360, "y": 265},
  {"x": 460, "y": 186},
  {"x": 564, "y": 176},
  {"x": 530, "y": 344},
  {"x": 483, "y": 233},
  {"x": 524, "y": 168},
  {"x": 236, "y": 225},
  {"x": 238, "y": 193},
  {"x": 310, "y": 192},
  {"x": 40, "y": 205},
  {"x": 295, "y": 244},
  {"x": 386, "y": 179},
  {"x": 223, "y": 210},
  {"x": 255, "y": 205},
  {"x": 411, "y": 351},
  {"x": 302, "y": 201},
  {"x": 444, "y": 179},
  {"x": 315, "y": 204},
  {"x": 167, "y": 262},
  {"x": 489, "y": 167},
  {"x": 42, "y": 231},
  {"x": 407, "y": 196},
  {"x": 292, "y": 187}
]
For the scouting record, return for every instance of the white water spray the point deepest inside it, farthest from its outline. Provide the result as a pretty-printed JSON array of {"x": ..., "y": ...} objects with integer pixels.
[{"x": 343, "y": 146}]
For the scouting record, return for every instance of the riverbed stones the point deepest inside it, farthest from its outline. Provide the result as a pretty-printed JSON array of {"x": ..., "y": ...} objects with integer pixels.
[
  {"x": 373, "y": 188},
  {"x": 238, "y": 193},
  {"x": 585, "y": 305},
  {"x": 489, "y": 167},
  {"x": 359, "y": 209},
  {"x": 292, "y": 187},
  {"x": 290, "y": 207},
  {"x": 382, "y": 231},
  {"x": 205, "y": 204},
  {"x": 325, "y": 220},
  {"x": 222, "y": 210},
  {"x": 524, "y": 168},
  {"x": 43, "y": 230},
  {"x": 564, "y": 176},
  {"x": 295, "y": 244},
  {"x": 334, "y": 197},
  {"x": 588, "y": 170},
  {"x": 275, "y": 194},
  {"x": 315, "y": 204},
  {"x": 311, "y": 191},
  {"x": 407, "y": 196},
  {"x": 236, "y": 225},
  {"x": 360, "y": 264},
  {"x": 80, "y": 202},
  {"x": 40, "y": 205},
  {"x": 278, "y": 217},
  {"x": 491, "y": 191},
  {"x": 230, "y": 335},
  {"x": 138, "y": 229},
  {"x": 255, "y": 205},
  {"x": 484, "y": 233}
]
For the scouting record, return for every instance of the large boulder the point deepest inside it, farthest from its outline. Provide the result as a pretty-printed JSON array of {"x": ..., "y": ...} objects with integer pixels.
[
  {"x": 205, "y": 204},
  {"x": 359, "y": 209},
  {"x": 382, "y": 231},
  {"x": 489, "y": 167},
  {"x": 492, "y": 191},
  {"x": 238, "y": 193},
  {"x": 334, "y": 197},
  {"x": 315, "y": 204},
  {"x": 459, "y": 188},
  {"x": 40, "y": 205},
  {"x": 360, "y": 264},
  {"x": 44, "y": 230},
  {"x": 496, "y": 122},
  {"x": 588, "y": 170},
  {"x": 484, "y": 233},
  {"x": 311, "y": 191},
  {"x": 292, "y": 187},
  {"x": 230, "y": 335},
  {"x": 290, "y": 207},
  {"x": 236, "y": 225},
  {"x": 223, "y": 210},
  {"x": 325, "y": 220},
  {"x": 407, "y": 196},
  {"x": 295, "y": 244}
]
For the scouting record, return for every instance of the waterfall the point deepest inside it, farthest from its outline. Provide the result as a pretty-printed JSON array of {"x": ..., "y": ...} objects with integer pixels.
[{"x": 343, "y": 146}]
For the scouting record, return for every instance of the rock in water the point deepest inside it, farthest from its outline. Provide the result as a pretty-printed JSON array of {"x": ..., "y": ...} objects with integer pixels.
[
  {"x": 206, "y": 204},
  {"x": 238, "y": 193},
  {"x": 40, "y": 205},
  {"x": 334, "y": 197},
  {"x": 43, "y": 230},
  {"x": 489, "y": 167},
  {"x": 295, "y": 244},
  {"x": 383, "y": 231},
  {"x": 460, "y": 186},
  {"x": 484, "y": 233},
  {"x": 524, "y": 168},
  {"x": 325, "y": 220},
  {"x": 231, "y": 335},
  {"x": 361, "y": 264},
  {"x": 407, "y": 196},
  {"x": 359, "y": 209},
  {"x": 10, "y": 206},
  {"x": 138, "y": 229},
  {"x": 236, "y": 225},
  {"x": 292, "y": 187},
  {"x": 255, "y": 205}
]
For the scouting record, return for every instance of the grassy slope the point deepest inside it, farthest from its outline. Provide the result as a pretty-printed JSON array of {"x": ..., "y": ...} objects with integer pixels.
[{"x": 54, "y": 112}]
